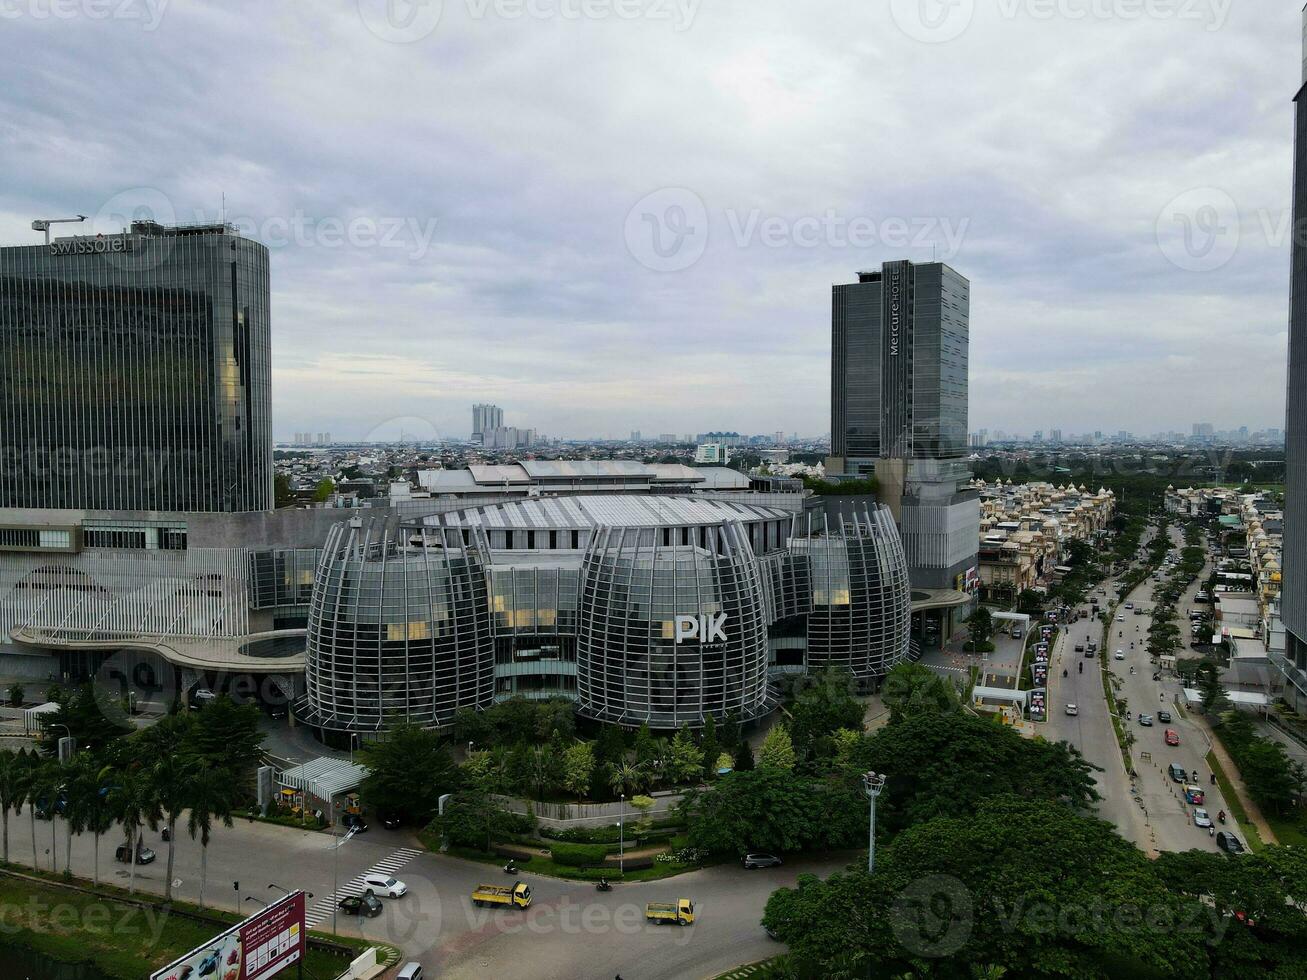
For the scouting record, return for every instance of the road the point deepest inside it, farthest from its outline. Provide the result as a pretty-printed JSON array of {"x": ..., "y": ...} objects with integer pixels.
[
  {"x": 1151, "y": 810},
  {"x": 571, "y": 930}
]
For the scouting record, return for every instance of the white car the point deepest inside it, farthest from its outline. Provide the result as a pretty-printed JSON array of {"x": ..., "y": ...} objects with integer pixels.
[
  {"x": 384, "y": 885},
  {"x": 1072, "y": 710},
  {"x": 1119, "y": 655},
  {"x": 1201, "y": 819},
  {"x": 1120, "y": 619}
]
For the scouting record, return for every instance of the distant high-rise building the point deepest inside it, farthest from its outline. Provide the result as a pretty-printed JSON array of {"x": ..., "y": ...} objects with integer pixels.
[
  {"x": 713, "y": 454},
  {"x": 1293, "y": 595},
  {"x": 635, "y": 436},
  {"x": 485, "y": 418},
  {"x": 135, "y": 372},
  {"x": 899, "y": 373},
  {"x": 1055, "y": 436},
  {"x": 778, "y": 438}
]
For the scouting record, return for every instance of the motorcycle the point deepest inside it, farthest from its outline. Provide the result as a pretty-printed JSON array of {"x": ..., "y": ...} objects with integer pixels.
[
  {"x": 510, "y": 868},
  {"x": 1157, "y": 677},
  {"x": 1081, "y": 669},
  {"x": 603, "y": 886},
  {"x": 1064, "y": 672},
  {"x": 1221, "y": 816}
]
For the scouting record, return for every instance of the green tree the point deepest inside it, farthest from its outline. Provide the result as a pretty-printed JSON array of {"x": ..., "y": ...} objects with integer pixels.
[
  {"x": 946, "y": 764},
  {"x": 323, "y": 491},
  {"x": 134, "y": 804},
  {"x": 578, "y": 769},
  {"x": 409, "y": 769},
  {"x": 555, "y": 718},
  {"x": 471, "y": 820},
  {"x": 1211, "y": 689},
  {"x": 685, "y": 759},
  {"x": 709, "y": 746},
  {"x": 777, "y": 750},
  {"x": 1014, "y": 884},
  {"x": 824, "y": 704},
  {"x": 16, "y": 695},
  {"x": 744, "y": 756},
  {"x": 283, "y": 495},
  {"x": 544, "y": 766},
  {"x": 913, "y": 690},
  {"x": 1030, "y": 602},
  {"x": 730, "y": 733},
  {"x": 11, "y": 791},
  {"x": 625, "y": 778},
  {"x": 169, "y": 781},
  {"x": 610, "y": 746},
  {"x": 767, "y": 808},
  {"x": 88, "y": 808},
  {"x": 980, "y": 627},
  {"x": 646, "y": 748},
  {"x": 210, "y": 798},
  {"x": 89, "y": 715}
]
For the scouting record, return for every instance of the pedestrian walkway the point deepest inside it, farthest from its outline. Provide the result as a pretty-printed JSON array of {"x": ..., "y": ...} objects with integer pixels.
[
  {"x": 391, "y": 864},
  {"x": 1250, "y": 809}
]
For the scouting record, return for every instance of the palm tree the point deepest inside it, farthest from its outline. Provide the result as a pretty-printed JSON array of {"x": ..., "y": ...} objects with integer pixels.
[
  {"x": 169, "y": 786},
  {"x": 132, "y": 801},
  {"x": 625, "y": 778},
  {"x": 87, "y": 808},
  {"x": 28, "y": 791},
  {"x": 11, "y": 795},
  {"x": 210, "y": 799}
]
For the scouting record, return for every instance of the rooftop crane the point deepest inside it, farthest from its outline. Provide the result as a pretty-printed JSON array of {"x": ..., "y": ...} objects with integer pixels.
[{"x": 43, "y": 224}]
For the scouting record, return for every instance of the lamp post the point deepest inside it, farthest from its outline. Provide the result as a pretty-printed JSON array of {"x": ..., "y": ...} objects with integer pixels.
[
  {"x": 621, "y": 838},
  {"x": 335, "y": 865},
  {"x": 872, "y": 784}
]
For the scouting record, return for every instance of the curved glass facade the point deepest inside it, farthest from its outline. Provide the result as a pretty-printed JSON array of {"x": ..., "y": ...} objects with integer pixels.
[
  {"x": 666, "y": 616},
  {"x": 399, "y": 628},
  {"x": 670, "y": 634}
]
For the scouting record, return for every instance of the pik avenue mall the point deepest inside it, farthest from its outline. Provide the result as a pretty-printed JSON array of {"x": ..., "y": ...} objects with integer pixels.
[{"x": 139, "y": 543}]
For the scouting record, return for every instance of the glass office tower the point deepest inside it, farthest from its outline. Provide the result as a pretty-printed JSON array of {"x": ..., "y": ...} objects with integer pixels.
[
  {"x": 1293, "y": 597},
  {"x": 135, "y": 372},
  {"x": 899, "y": 364}
]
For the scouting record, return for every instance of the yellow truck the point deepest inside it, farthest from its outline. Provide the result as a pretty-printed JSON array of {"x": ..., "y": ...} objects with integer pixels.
[
  {"x": 506, "y": 896},
  {"x": 678, "y": 913}
]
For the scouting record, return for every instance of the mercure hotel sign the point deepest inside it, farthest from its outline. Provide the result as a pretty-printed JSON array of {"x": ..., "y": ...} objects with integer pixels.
[{"x": 895, "y": 311}]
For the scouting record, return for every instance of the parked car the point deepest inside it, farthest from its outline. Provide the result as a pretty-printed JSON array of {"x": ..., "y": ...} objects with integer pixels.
[
  {"x": 1227, "y": 842},
  {"x": 354, "y": 822},
  {"x": 1164, "y": 717},
  {"x": 123, "y": 854},
  {"x": 1172, "y": 737},
  {"x": 366, "y": 904},
  {"x": 1072, "y": 710},
  {"x": 409, "y": 971},
  {"x": 1017, "y": 634},
  {"x": 761, "y": 860},
  {"x": 1201, "y": 819},
  {"x": 1080, "y": 648},
  {"x": 387, "y": 885},
  {"x": 1177, "y": 773}
]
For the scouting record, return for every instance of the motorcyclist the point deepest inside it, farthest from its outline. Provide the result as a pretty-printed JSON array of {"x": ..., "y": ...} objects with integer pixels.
[
  {"x": 510, "y": 868},
  {"x": 1221, "y": 816}
]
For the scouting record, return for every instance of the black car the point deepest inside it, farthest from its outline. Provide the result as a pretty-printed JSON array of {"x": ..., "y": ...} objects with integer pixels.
[
  {"x": 759, "y": 860},
  {"x": 366, "y": 904},
  {"x": 1227, "y": 842},
  {"x": 1164, "y": 716},
  {"x": 390, "y": 821},
  {"x": 354, "y": 822}
]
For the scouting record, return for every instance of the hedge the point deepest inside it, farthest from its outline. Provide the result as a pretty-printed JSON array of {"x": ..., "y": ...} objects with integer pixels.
[{"x": 578, "y": 855}]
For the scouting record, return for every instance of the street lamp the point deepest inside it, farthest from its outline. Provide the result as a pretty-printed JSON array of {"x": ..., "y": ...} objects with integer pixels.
[
  {"x": 872, "y": 784},
  {"x": 335, "y": 864},
  {"x": 621, "y": 838}
]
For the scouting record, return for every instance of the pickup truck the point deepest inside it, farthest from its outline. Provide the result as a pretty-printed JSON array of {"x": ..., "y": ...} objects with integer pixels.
[
  {"x": 679, "y": 913},
  {"x": 507, "y": 896}
]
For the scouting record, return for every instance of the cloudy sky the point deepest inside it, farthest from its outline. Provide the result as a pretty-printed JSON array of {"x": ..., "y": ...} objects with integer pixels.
[{"x": 608, "y": 215}]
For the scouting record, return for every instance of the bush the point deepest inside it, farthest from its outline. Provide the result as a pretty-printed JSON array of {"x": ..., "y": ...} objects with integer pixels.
[{"x": 578, "y": 855}]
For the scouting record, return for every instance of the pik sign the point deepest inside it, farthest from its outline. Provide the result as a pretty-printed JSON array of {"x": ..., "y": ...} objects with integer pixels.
[{"x": 705, "y": 629}]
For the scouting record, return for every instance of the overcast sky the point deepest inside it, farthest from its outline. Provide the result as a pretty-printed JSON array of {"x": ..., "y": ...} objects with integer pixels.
[{"x": 607, "y": 215}]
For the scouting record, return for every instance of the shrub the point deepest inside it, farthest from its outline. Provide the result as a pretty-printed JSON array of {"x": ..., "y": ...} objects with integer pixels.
[{"x": 578, "y": 855}]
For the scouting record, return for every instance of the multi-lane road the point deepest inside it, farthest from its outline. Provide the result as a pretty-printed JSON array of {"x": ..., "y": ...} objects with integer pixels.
[{"x": 570, "y": 931}]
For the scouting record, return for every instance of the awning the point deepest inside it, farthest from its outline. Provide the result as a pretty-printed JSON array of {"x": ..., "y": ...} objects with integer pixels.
[{"x": 325, "y": 777}]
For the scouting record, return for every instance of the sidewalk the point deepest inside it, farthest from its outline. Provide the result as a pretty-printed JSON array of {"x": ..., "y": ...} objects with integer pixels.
[{"x": 1236, "y": 781}]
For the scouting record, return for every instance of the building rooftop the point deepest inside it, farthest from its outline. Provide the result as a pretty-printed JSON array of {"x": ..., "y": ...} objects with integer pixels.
[{"x": 607, "y": 510}]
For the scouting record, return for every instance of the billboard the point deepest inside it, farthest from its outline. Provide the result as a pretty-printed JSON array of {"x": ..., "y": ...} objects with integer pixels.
[{"x": 256, "y": 949}]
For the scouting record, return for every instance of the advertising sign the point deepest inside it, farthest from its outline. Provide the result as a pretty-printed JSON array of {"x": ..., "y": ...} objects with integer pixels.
[{"x": 256, "y": 949}]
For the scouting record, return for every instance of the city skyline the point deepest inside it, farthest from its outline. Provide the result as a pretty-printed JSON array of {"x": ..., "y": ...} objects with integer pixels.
[{"x": 393, "y": 272}]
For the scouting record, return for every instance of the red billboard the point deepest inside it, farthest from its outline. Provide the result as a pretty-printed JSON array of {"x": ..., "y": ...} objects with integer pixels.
[{"x": 256, "y": 949}]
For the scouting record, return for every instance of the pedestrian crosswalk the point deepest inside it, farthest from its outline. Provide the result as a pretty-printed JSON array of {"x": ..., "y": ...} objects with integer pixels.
[{"x": 387, "y": 866}]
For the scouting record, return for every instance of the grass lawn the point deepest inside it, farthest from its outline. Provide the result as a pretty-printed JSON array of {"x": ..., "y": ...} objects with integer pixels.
[
  {"x": 1289, "y": 830},
  {"x": 119, "y": 939},
  {"x": 755, "y": 971},
  {"x": 546, "y": 866}
]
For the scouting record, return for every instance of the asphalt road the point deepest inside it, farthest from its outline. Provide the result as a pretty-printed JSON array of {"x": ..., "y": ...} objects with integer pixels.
[{"x": 570, "y": 931}]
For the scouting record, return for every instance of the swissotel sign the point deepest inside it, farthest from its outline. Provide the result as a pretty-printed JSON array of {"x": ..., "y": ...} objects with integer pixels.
[
  {"x": 94, "y": 246},
  {"x": 705, "y": 629}
]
